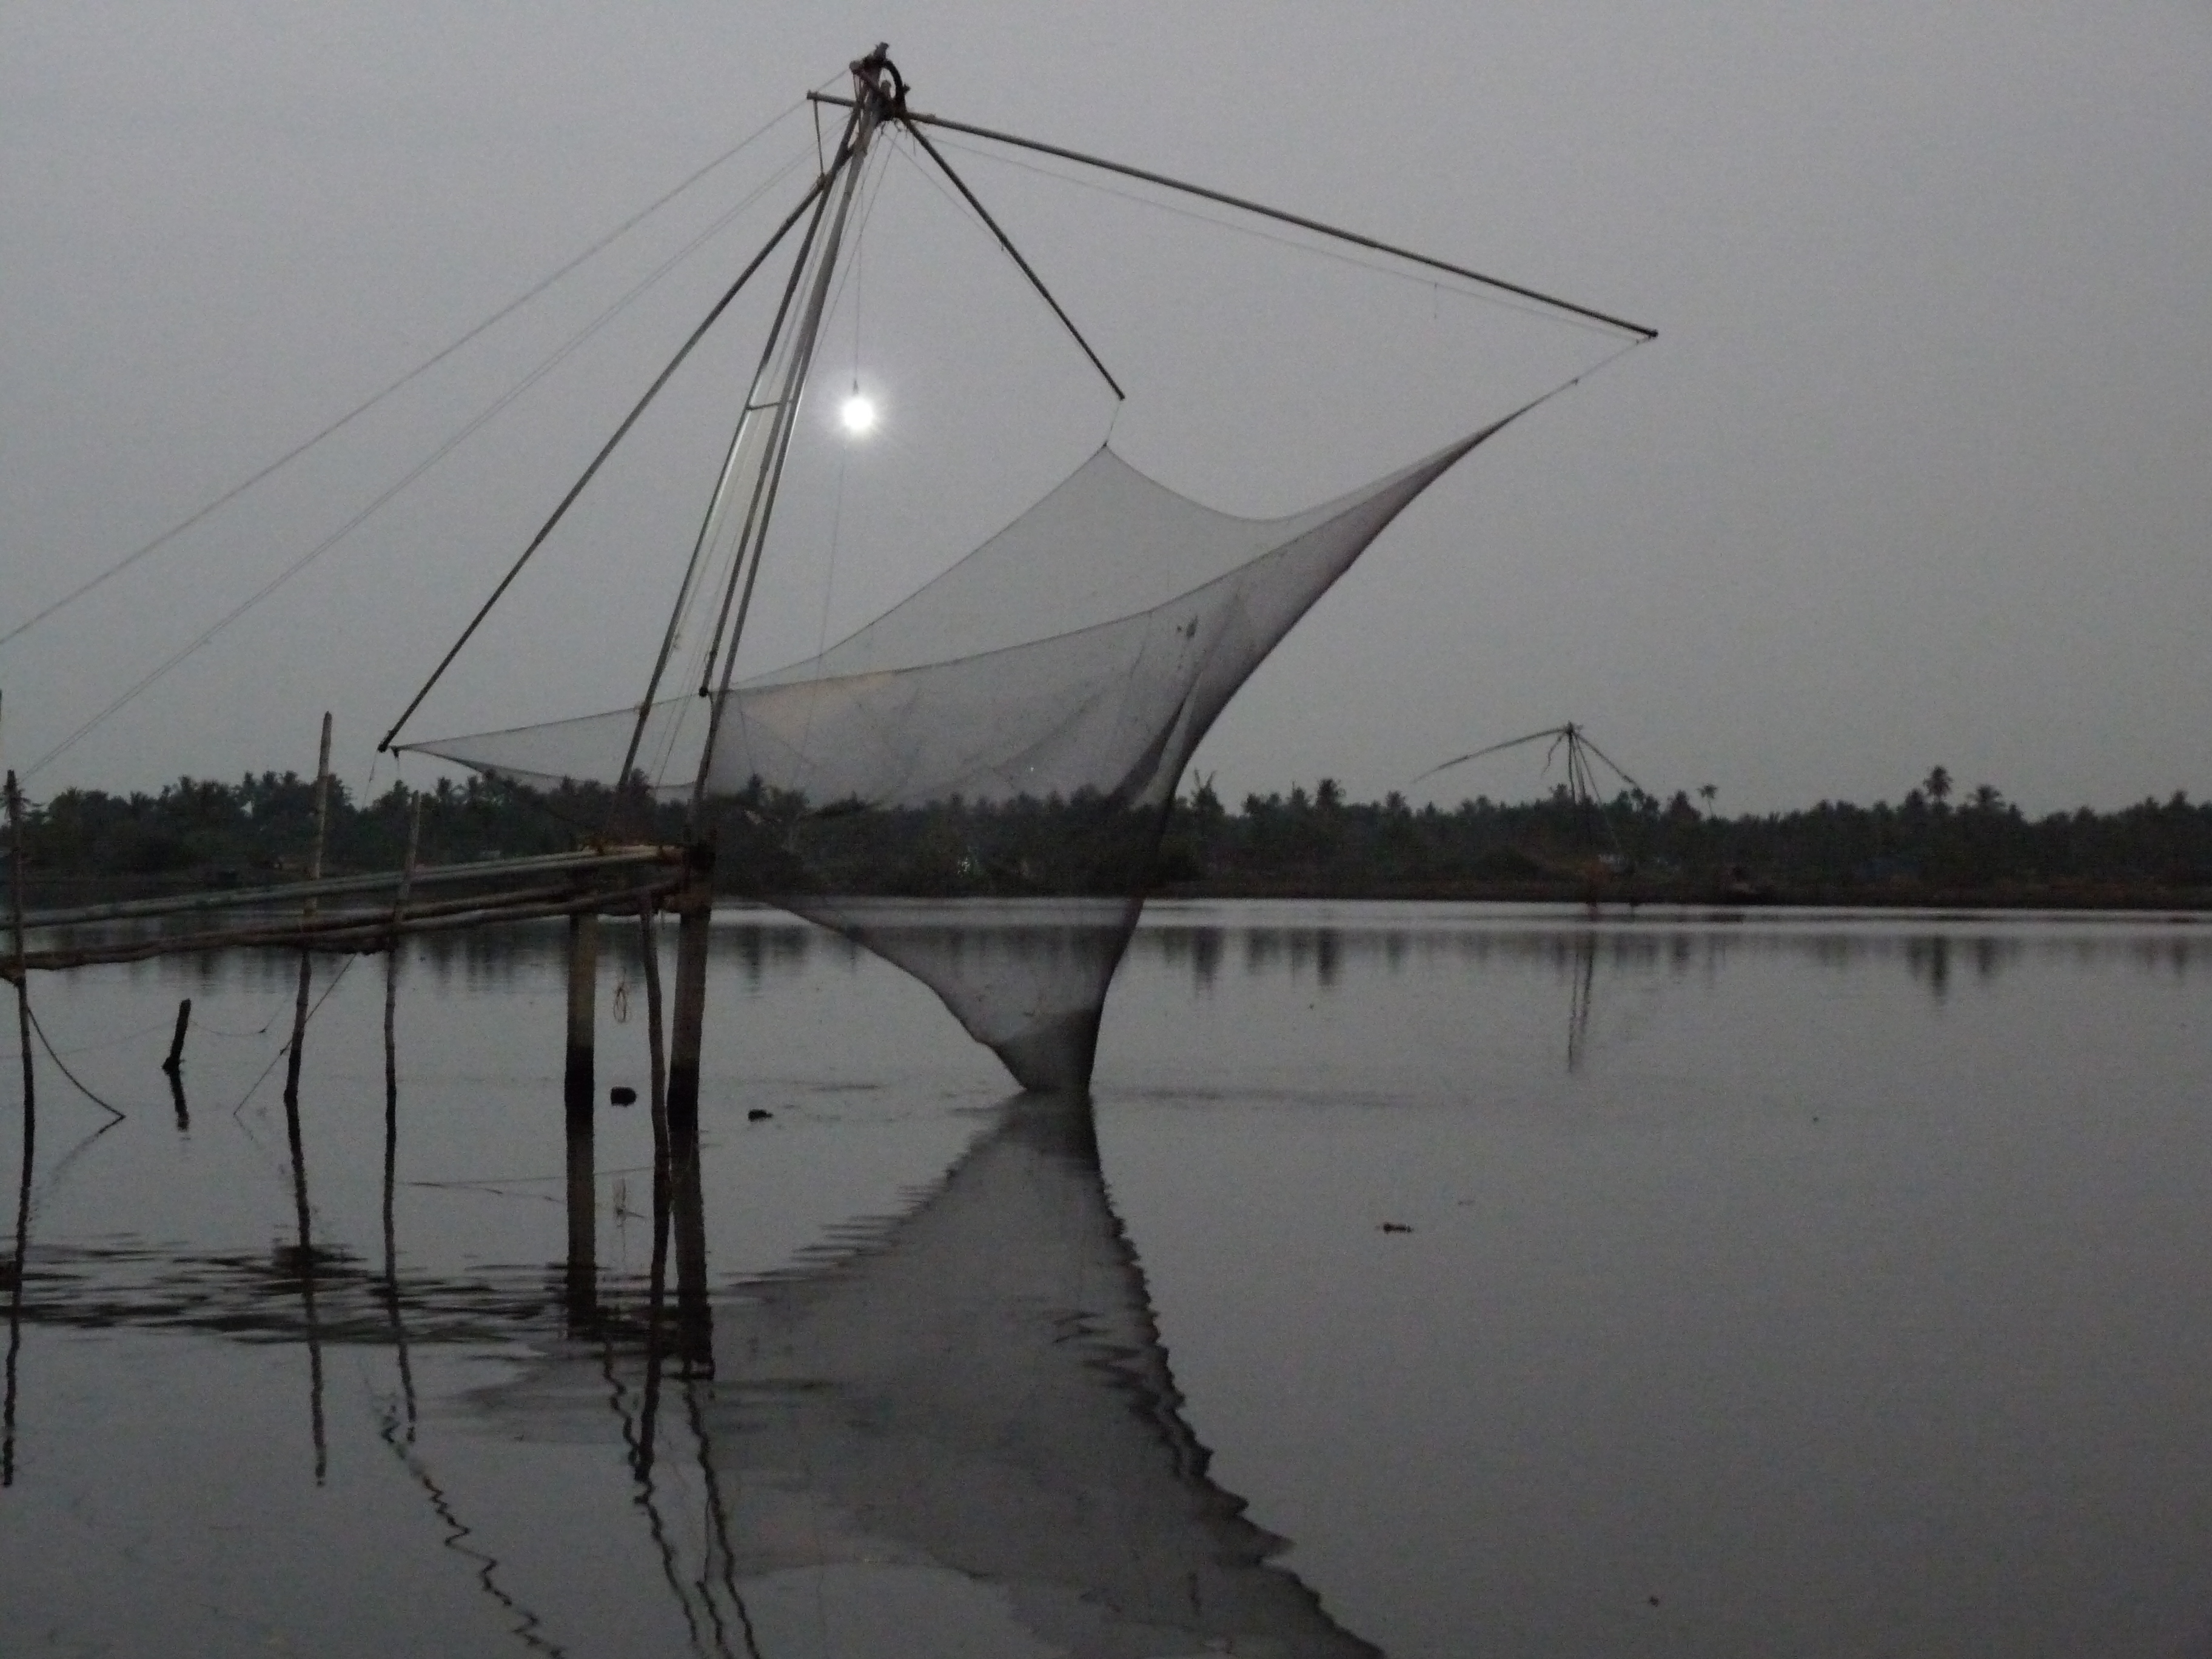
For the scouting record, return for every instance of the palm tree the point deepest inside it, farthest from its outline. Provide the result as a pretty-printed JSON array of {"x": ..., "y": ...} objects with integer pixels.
[
  {"x": 1937, "y": 787},
  {"x": 1707, "y": 793}
]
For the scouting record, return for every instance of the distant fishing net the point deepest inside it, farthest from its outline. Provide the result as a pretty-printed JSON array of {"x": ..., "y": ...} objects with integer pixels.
[{"x": 975, "y": 785}]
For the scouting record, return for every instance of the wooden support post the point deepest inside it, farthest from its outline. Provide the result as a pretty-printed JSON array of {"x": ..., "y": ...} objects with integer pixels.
[
  {"x": 392, "y": 1111},
  {"x": 391, "y": 986},
  {"x": 695, "y": 913},
  {"x": 174, "y": 1065},
  {"x": 16, "y": 905},
  {"x": 695, "y": 910},
  {"x": 304, "y": 1210},
  {"x": 576, "y": 1091},
  {"x": 649, "y": 950},
  {"x": 15, "y": 807},
  {"x": 583, "y": 1009},
  {"x": 657, "y": 1277},
  {"x": 307, "y": 913},
  {"x": 175, "y": 1062},
  {"x": 391, "y": 1054}
]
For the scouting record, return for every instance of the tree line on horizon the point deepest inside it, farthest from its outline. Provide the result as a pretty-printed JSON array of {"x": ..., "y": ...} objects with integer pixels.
[{"x": 1315, "y": 841}]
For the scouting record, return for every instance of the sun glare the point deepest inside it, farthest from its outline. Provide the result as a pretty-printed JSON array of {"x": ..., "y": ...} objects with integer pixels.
[{"x": 858, "y": 414}]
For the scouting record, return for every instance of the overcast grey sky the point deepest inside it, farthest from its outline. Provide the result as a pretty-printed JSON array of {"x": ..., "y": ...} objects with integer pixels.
[{"x": 1916, "y": 473}]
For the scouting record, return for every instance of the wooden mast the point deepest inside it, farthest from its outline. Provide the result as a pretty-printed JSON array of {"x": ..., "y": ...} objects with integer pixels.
[{"x": 878, "y": 93}]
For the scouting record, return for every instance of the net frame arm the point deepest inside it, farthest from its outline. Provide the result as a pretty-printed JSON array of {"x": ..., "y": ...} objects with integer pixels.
[
  {"x": 1247, "y": 205},
  {"x": 1013, "y": 253},
  {"x": 637, "y": 411}
]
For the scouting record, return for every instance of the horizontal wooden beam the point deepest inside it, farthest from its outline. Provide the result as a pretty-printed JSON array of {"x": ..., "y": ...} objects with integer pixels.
[
  {"x": 289, "y": 893},
  {"x": 353, "y": 931}
]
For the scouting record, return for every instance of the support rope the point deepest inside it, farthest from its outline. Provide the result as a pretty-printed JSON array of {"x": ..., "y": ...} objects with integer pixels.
[
  {"x": 409, "y": 378},
  {"x": 81, "y": 1086}
]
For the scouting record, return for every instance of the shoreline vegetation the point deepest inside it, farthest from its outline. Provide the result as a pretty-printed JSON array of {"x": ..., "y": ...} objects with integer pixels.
[{"x": 1930, "y": 850}]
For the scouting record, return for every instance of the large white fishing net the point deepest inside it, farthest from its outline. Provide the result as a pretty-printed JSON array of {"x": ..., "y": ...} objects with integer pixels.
[{"x": 975, "y": 784}]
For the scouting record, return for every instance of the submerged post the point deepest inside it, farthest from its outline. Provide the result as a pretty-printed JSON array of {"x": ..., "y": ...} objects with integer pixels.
[{"x": 576, "y": 1091}]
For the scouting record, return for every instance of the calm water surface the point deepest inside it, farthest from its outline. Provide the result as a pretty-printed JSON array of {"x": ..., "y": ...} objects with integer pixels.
[{"x": 1433, "y": 1280}]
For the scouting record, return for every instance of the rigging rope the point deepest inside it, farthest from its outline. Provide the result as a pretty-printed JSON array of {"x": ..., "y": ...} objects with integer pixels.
[
  {"x": 560, "y": 355},
  {"x": 83, "y": 1089},
  {"x": 415, "y": 373},
  {"x": 336, "y": 978},
  {"x": 1387, "y": 265}
]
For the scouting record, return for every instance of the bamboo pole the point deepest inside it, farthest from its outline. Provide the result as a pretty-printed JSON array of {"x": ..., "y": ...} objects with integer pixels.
[
  {"x": 686, "y": 1199},
  {"x": 304, "y": 1212},
  {"x": 583, "y": 1009},
  {"x": 173, "y": 1067},
  {"x": 175, "y": 1063},
  {"x": 8, "y": 1395},
  {"x": 392, "y": 958},
  {"x": 649, "y": 944},
  {"x": 695, "y": 908},
  {"x": 657, "y": 1278},
  {"x": 307, "y": 962},
  {"x": 288, "y": 893},
  {"x": 23, "y": 976},
  {"x": 578, "y": 1133},
  {"x": 349, "y": 934},
  {"x": 391, "y": 1034},
  {"x": 391, "y": 1109}
]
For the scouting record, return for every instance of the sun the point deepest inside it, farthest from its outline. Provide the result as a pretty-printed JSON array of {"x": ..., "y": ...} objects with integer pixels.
[{"x": 857, "y": 412}]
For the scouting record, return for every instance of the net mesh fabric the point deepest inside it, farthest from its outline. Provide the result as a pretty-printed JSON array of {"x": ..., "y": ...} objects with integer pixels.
[{"x": 975, "y": 785}]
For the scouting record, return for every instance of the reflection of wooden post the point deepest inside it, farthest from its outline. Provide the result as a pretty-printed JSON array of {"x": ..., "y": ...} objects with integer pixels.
[
  {"x": 695, "y": 915},
  {"x": 306, "y": 913},
  {"x": 576, "y": 1091}
]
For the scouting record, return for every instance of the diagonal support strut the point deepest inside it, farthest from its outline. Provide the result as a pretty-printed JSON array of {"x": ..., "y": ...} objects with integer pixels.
[{"x": 1013, "y": 253}]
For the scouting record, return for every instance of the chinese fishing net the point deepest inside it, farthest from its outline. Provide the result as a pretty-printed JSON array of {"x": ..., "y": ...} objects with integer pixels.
[{"x": 975, "y": 785}]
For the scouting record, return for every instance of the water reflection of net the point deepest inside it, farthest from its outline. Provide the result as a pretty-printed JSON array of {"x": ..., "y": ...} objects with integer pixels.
[
  {"x": 981, "y": 1385},
  {"x": 977, "y": 1385}
]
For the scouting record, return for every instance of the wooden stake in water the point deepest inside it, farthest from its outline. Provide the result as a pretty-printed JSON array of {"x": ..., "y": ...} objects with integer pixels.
[
  {"x": 649, "y": 948},
  {"x": 307, "y": 913},
  {"x": 173, "y": 1067},
  {"x": 576, "y": 1092},
  {"x": 305, "y": 1213},
  {"x": 391, "y": 1026},
  {"x": 391, "y": 1114},
  {"x": 16, "y": 905},
  {"x": 175, "y": 1062},
  {"x": 695, "y": 910},
  {"x": 583, "y": 1009},
  {"x": 30, "y": 1142},
  {"x": 695, "y": 916}
]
